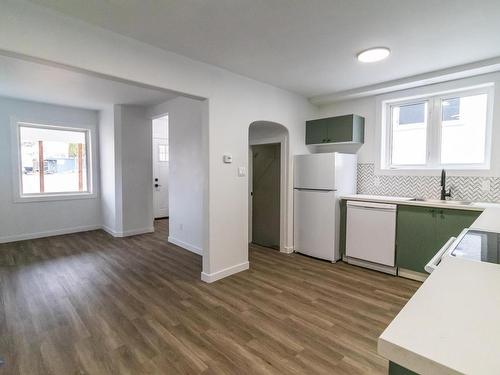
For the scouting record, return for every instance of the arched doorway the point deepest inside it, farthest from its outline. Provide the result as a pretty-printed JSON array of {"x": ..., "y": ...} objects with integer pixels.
[{"x": 269, "y": 195}]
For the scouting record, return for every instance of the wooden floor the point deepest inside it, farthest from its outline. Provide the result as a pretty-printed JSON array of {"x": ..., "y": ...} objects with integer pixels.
[{"x": 91, "y": 304}]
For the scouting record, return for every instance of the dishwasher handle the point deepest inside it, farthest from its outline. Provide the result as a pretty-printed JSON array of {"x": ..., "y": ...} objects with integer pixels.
[
  {"x": 371, "y": 205},
  {"x": 436, "y": 259}
]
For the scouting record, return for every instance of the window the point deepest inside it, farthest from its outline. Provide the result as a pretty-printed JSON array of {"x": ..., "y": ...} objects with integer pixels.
[
  {"x": 162, "y": 152},
  {"x": 440, "y": 131},
  {"x": 409, "y": 134},
  {"x": 52, "y": 160}
]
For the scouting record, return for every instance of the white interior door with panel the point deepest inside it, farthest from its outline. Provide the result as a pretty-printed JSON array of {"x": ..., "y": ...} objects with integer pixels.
[{"x": 160, "y": 167}]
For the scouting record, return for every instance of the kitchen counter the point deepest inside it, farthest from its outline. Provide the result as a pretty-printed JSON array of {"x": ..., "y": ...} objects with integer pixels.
[
  {"x": 452, "y": 323},
  {"x": 475, "y": 206}
]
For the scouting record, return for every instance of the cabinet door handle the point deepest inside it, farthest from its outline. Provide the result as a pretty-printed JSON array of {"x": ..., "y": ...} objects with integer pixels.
[{"x": 324, "y": 140}]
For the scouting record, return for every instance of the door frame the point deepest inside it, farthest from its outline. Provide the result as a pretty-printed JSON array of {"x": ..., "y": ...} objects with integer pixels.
[
  {"x": 157, "y": 116},
  {"x": 285, "y": 222}
]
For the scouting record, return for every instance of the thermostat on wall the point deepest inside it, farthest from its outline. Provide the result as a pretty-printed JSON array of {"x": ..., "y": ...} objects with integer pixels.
[{"x": 228, "y": 159}]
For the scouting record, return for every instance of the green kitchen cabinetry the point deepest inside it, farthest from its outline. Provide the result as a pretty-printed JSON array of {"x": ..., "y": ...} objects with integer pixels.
[
  {"x": 422, "y": 231},
  {"x": 395, "y": 369},
  {"x": 339, "y": 129},
  {"x": 342, "y": 226}
]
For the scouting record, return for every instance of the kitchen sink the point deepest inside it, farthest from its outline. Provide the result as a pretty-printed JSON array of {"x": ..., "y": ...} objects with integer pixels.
[{"x": 439, "y": 201}]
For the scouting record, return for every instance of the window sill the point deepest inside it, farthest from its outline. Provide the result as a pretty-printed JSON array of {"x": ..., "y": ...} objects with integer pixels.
[
  {"x": 471, "y": 172},
  {"x": 53, "y": 197}
]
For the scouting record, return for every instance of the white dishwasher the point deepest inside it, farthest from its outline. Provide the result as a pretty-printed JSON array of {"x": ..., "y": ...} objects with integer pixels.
[{"x": 371, "y": 235}]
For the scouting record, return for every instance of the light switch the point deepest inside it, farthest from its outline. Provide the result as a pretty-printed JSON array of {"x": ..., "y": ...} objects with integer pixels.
[{"x": 242, "y": 172}]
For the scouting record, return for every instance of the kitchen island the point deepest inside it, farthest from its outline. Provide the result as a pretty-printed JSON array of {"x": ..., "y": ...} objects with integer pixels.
[{"x": 452, "y": 323}]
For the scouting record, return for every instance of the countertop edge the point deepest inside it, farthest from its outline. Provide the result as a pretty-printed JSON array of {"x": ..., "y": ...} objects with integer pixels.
[
  {"x": 410, "y": 360},
  {"x": 471, "y": 207},
  {"x": 404, "y": 356}
]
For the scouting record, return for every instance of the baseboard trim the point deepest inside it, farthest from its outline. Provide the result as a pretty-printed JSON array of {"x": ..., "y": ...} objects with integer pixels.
[
  {"x": 185, "y": 245},
  {"x": 108, "y": 230},
  {"x": 214, "y": 276},
  {"x": 49, "y": 233},
  {"x": 373, "y": 266},
  {"x": 127, "y": 233},
  {"x": 413, "y": 275}
]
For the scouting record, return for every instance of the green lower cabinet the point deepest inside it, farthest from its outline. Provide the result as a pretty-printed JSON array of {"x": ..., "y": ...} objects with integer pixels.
[
  {"x": 422, "y": 231},
  {"x": 343, "y": 222},
  {"x": 395, "y": 369}
]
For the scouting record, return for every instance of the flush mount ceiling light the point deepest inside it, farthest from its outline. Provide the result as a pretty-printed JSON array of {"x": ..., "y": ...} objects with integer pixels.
[{"x": 373, "y": 54}]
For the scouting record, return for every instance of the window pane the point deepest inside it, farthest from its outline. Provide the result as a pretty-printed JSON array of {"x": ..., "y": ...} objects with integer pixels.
[
  {"x": 409, "y": 134},
  {"x": 451, "y": 109},
  {"x": 64, "y": 160},
  {"x": 162, "y": 152},
  {"x": 412, "y": 114},
  {"x": 463, "y": 130}
]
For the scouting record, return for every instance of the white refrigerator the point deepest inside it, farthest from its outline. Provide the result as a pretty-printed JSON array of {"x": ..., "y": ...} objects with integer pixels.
[{"x": 319, "y": 181}]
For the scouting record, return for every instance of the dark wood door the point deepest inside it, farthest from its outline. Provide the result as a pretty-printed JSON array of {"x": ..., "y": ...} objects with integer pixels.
[{"x": 266, "y": 195}]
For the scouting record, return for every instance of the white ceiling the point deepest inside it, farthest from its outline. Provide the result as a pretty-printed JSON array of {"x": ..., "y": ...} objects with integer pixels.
[
  {"x": 306, "y": 46},
  {"x": 49, "y": 84}
]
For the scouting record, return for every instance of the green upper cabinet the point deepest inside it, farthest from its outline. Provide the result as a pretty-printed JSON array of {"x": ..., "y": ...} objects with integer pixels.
[
  {"x": 339, "y": 129},
  {"x": 316, "y": 131},
  {"x": 422, "y": 231}
]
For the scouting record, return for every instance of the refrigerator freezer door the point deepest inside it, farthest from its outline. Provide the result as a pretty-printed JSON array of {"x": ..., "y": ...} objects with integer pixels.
[
  {"x": 314, "y": 223},
  {"x": 315, "y": 171}
]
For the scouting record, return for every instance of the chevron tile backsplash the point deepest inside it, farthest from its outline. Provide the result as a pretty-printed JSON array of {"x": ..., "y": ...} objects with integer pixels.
[{"x": 463, "y": 188}]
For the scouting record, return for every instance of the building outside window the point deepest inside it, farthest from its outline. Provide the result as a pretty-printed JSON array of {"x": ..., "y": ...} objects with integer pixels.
[
  {"x": 53, "y": 160},
  {"x": 439, "y": 131}
]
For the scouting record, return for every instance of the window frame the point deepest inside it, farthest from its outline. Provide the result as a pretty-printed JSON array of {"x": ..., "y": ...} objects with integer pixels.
[
  {"x": 389, "y": 126},
  {"x": 434, "y": 130},
  {"x": 19, "y": 196}
]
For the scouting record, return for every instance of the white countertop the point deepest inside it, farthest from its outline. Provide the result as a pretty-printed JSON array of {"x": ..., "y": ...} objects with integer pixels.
[
  {"x": 474, "y": 206},
  {"x": 452, "y": 323}
]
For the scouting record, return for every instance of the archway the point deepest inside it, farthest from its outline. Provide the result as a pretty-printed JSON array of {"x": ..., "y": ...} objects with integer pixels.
[{"x": 269, "y": 209}]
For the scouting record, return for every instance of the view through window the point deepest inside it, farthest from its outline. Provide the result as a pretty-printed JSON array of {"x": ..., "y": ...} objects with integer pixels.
[
  {"x": 440, "y": 131},
  {"x": 53, "y": 160}
]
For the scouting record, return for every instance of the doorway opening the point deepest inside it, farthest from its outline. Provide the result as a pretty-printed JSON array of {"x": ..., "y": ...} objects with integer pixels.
[
  {"x": 269, "y": 203},
  {"x": 266, "y": 176},
  {"x": 160, "y": 167}
]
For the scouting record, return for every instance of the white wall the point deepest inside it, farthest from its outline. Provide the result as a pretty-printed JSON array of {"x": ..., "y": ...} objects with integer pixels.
[
  {"x": 187, "y": 176},
  {"x": 38, "y": 219},
  {"x": 126, "y": 167},
  {"x": 369, "y": 108},
  {"x": 233, "y": 103},
  {"x": 137, "y": 170},
  {"x": 107, "y": 168}
]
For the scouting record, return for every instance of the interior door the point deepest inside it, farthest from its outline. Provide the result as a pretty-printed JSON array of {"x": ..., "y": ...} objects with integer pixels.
[
  {"x": 266, "y": 172},
  {"x": 160, "y": 175}
]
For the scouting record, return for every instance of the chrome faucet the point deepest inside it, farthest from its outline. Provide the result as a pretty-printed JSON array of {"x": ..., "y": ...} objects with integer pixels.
[{"x": 444, "y": 193}]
